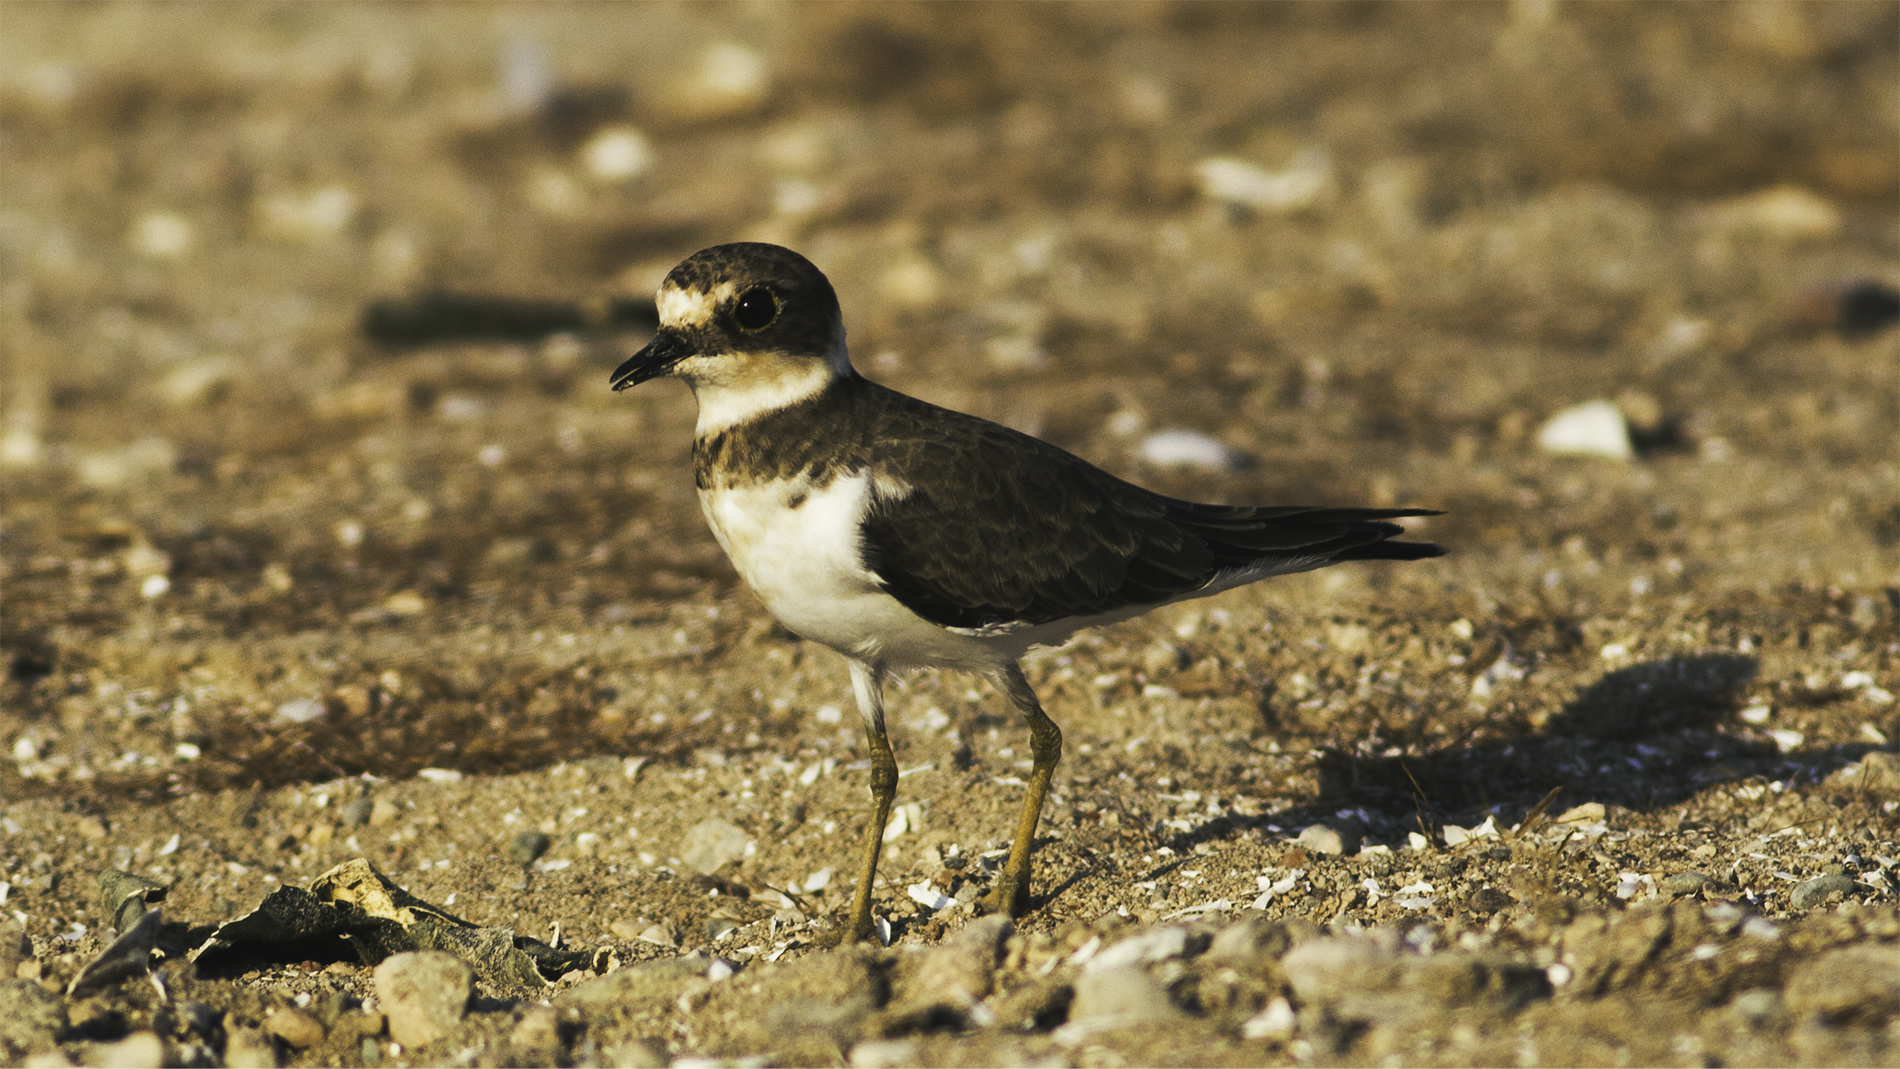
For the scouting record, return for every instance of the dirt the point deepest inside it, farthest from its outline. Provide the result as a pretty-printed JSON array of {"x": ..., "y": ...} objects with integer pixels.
[{"x": 1612, "y": 783}]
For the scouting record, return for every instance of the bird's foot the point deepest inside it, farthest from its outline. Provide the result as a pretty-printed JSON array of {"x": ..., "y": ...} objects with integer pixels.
[{"x": 1009, "y": 897}]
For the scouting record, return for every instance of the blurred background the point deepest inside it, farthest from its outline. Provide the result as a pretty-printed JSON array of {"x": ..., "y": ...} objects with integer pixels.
[{"x": 307, "y": 312}]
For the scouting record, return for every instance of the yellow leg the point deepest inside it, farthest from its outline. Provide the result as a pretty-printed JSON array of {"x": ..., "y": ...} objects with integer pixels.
[
  {"x": 1011, "y": 893},
  {"x": 868, "y": 682}
]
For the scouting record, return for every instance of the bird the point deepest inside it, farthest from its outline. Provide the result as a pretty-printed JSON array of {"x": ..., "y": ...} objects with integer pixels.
[{"x": 905, "y": 536}]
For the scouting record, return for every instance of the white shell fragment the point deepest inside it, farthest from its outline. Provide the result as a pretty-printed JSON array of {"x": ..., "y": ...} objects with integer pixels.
[{"x": 1594, "y": 428}]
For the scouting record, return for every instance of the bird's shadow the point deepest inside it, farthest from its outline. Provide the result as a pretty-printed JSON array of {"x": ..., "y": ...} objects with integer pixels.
[{"x": 1645, "y": 738}]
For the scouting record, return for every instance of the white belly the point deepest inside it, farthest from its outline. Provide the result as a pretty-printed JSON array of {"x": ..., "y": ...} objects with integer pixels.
[{"x": 806, "y": 565}]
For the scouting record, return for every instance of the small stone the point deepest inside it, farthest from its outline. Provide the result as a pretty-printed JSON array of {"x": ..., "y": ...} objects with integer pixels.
[
  {"x": 1250, "y": 942},
  {"x": 356, "y": 812},
  {"x": 1877, "y": 773},
  {"x": 92, "y": 827},
  {"x": 1125, "y": 994},
  {"x": 140, "y": 1050},
  {"x": 1488, "y": 900},
  {"x": 247, "y": 1048},
  {"x": 1304, "y": 183},
  {"x": 712, "y": 844},
  {"x": 31, "y": 1018},
  {"x": 301, "y": 711},
  {"x": 1327, "y": 970},
  {"x": 959, "y": 972},
  {"x": 884, "y": 1054},
  {"x": 1155, "y": 944},
  {"x": 538, "y": 1033},
  {"x": 646, "y": 985},
  {"x": 1275, "y": 1023},
  {"x": 15, "y": 947},
  {"x": 294, "y": 1027},
  {"x": 1187, "y": 449},
  {"x": 1852, "y": 985},
  {"x": 1326, "y": 839},
  {"x": 383, "y": 812},
  {"x": 527, "y": 847},
  {"x": 1594, "y": 428},
  {"x": 1811, "y": 893},
  {"x": 638, "y": 1054},
  {"x": 424, "y": 993},
  {"x": 1685, "y": 883},
  {"x": 1759, "y": 1006}
]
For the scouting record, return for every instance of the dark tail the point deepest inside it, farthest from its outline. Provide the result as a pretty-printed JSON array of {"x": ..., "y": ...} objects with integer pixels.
[{"x": 1239, "y": 535}]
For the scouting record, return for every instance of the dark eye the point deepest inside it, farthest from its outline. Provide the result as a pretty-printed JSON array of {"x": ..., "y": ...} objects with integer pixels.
[{"x": 755, "y": 309}]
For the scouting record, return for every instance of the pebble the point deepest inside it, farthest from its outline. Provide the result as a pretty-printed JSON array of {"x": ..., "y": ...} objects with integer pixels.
[
  {"x": 538, "y": 1033},
  {"x": 140, "y": 1050},
  {"x": 1274, "y": 1023},
  {"x": 527, "y": 847},
  {"x": 424, "y": 994},
  {"x": 884, "y": 1054},
  {"x": 1327, "y": 970},
  {"x": 30, "y": 1017},
  {"x": 960, "y": 971},
  {"x": 1250, "y": 941},
  {"x": 294, "y": 1027},
  {"x": 1853, "y": 984},
  {"x": 653, "y": 984},
  {"x": 1594, "y": 428},
  {"x": 1326, "y": 839},
  {"x": 1125, "y": 994},
  {"x": 1877, "y": 773},
  {"x": 1785, "y": 211},
  {"x": 1187, "y": 449},
  {"x": 1684, "y": 883},
  {"x": 1811, "y": 893},
  {"x": 712, "y": 844},
  {"x": 1244, "y": 184},
  {"x": 1155, "y": 944},
  {"x": 15, "y": 947},
  {"x": 246, "y": 1048},
  {"x": 356, "y": 813},
  {"x": 301, "y": 711}
]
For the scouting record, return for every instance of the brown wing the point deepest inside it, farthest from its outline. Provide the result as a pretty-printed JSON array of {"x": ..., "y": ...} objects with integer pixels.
[{"x": 1001, "y": 528}]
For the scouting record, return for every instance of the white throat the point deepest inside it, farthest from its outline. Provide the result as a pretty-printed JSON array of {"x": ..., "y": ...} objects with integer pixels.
[{"x": 729, "y": 400}]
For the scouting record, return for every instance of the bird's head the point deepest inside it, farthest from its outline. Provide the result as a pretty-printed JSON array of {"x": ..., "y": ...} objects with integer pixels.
[{"x": 746, "y": 324}]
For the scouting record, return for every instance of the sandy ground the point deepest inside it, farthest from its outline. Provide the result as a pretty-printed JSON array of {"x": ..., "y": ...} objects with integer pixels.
[{"x": 281, "y": 591}]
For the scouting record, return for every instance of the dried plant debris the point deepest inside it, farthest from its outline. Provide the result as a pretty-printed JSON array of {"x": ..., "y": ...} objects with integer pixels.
[{"x": 356, "y": 907}]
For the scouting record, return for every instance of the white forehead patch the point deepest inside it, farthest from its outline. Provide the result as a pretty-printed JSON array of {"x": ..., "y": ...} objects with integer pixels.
[{"x": 690, "y": 308}]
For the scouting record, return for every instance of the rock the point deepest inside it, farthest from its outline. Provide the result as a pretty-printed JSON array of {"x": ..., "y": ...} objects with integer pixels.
[
  {"x": 712, "y": 844},
  {"x": 1155, "y": 944},
  {"x": 424, "y": 993},
  {"x": 537, "y": 1036},
  {"x": 383, "y": 812},
  {"x": 1324, "y": 970},
  {"x": 247, "y": 1048},
  {"x": 356, "y": 813},
  {"x": 1685, "y": 883},
  {"x": 1275, "y": 1023},
  {"x": 1187, "y": 449},
  {"x": 1852, "y": 985},
  {"x": 960, "y": 972},
  {"x": 295, "y": 1027},
  {"x": 30, "y": 1018},
  {"x": 655, "y": 983},
  {"x": 637, "y": 1054},
  {"x": 15, "y": 947},
  {"x": 1488, "y": 900},
  {"x": 527, "y": 847},
  {"x": 1811, "y": 893},
  {"x": 1304, "y": 183},
  {"x": 1760, "y": 1006},
  {"x": 1123, "y": 995},
  {"x": 1329, "y": 839},
  {"x": 1250, "y": 943},
  {"x": 1594, "y": 428},
  {"x": 140, "y": 1050},
  {"x": 884, "y": 1054},
  {"x": 1788, "y": 212}
]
